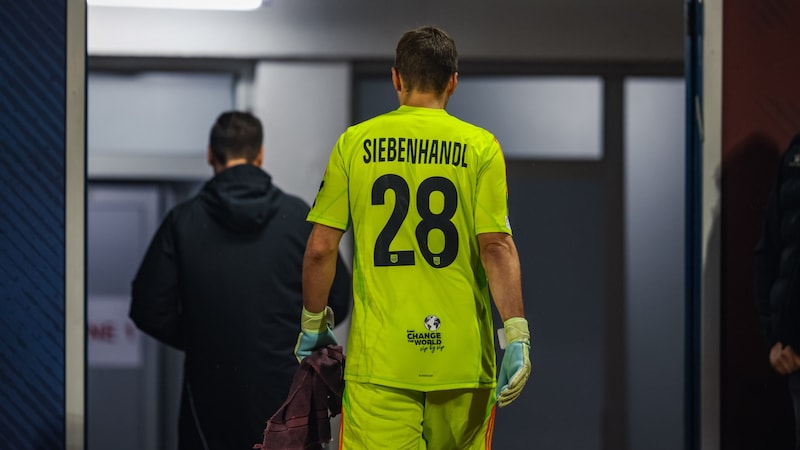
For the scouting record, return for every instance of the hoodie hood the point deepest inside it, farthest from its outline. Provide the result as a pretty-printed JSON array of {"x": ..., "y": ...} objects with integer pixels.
[{"x": 241, "y": 198}]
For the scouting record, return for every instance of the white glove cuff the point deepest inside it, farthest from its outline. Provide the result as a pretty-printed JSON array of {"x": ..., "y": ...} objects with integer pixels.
[
  {"x": 516, "y": 329},
  {"x": 312, "y": 322}
]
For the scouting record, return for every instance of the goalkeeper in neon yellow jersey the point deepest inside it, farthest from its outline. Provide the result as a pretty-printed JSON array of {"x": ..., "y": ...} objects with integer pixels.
[{"x": 425, "y": 194}]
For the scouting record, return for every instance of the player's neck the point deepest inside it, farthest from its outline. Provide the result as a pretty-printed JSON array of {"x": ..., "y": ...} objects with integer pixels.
[{"x": 423, "y": 99}]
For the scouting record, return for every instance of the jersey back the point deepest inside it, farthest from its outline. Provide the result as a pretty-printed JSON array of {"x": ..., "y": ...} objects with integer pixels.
[{"x": 417, "y": 185}]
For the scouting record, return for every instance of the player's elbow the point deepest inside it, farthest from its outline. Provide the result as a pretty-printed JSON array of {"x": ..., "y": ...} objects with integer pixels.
[
  {"x": 317, "y": 252},
  {"x": 496, "y": 245},
  {"x": 323, "y": 244}
]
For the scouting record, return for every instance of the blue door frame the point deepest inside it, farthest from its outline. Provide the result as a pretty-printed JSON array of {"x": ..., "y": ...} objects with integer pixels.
[{"x": 694, "y": 94}]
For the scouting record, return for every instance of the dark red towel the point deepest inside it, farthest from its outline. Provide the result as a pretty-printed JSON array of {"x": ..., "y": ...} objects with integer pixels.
[{"x": 303, "y": 421}]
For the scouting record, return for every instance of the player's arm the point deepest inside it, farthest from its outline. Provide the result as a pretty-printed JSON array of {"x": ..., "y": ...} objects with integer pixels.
[
  {"x": 501, "y": 261},
  {"x": 319, "y": 266},
  {"x": 319, "y": 271}
]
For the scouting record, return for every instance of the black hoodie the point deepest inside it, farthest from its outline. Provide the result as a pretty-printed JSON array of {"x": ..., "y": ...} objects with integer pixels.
[
  {"x": 221, "y": 280},
  {"x": 777, "y": 255}
]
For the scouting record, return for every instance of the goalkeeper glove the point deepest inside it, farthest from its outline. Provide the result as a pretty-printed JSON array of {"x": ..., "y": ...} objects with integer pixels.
[
  {"x": 315, "y": 332},
  {"x": 516, "y": 366}
]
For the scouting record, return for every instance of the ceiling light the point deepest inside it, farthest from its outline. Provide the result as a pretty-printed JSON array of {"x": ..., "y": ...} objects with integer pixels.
[{"x": 232, "y": 5}]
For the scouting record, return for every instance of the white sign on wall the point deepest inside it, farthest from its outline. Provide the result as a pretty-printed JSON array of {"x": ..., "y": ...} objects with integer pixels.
[{"x": 113, "y": 339}]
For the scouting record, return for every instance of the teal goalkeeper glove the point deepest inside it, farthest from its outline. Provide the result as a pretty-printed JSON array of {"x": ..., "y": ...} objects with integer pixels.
[
  {"x": 315, "y": 332},
  {"x": 516, "y": 366}
]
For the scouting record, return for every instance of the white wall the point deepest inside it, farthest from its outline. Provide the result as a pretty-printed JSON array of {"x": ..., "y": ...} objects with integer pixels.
[
  {"x": 711, "y": 123},
  {"x": 654, "y": 257},
  {"x": 551, "y": 30},
  {"x": 304, "y": 107},
  {"x": 153, "y": 125}
]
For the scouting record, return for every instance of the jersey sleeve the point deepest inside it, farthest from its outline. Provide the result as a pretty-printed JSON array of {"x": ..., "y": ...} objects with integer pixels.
[
  {"x": 491, "y": 198},
  {"x": 331, "y": 207}
]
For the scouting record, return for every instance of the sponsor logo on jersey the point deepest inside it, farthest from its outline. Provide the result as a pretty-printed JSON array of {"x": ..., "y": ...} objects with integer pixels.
[
  {"x": 429, "y": 340},
  {"x": 432, "y": 323}
]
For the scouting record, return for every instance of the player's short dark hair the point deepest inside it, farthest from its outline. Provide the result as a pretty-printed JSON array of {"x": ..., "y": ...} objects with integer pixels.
[
  {"x": 426, "y": 57},
  {"x": 236, "y": 134}
]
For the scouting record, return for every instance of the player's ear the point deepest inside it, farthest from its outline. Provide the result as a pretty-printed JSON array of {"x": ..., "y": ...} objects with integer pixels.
[
  {"x": 396, "y": 81},
  {"x": 452, "y": 84}
]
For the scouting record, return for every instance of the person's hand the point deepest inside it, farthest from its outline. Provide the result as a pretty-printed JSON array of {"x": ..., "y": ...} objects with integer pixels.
[
  {"x": 315, "y": 332},
  {"x": 783, "y": 359},
  {"x": 516, "y": 366}
]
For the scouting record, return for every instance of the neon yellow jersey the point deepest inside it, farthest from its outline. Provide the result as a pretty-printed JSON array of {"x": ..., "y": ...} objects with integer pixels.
[{"x": 417, "y": 185}]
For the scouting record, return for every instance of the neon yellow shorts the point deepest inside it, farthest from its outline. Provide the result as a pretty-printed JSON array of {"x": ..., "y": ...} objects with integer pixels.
[{"x": 379, "y": 417}]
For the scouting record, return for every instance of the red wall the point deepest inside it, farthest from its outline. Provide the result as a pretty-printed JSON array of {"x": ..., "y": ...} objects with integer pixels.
[{"x": 760, "y": 114}]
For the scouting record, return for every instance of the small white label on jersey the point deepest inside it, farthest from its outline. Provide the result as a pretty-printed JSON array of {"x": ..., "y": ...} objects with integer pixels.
[
  {"x": 501, "y": 338},
  {"x": 508, "y": 223}
]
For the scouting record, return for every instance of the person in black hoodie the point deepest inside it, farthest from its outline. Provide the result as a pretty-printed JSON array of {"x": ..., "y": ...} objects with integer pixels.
[
  {"x": 222, "y": 281},
  {"x": 777, "y": 275}
]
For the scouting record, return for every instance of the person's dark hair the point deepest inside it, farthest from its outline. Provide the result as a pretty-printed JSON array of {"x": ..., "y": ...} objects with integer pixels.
[
  {"x": 236, "y": 134},
  {"x": 426, "y": 58}
]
